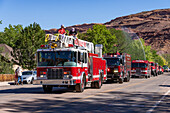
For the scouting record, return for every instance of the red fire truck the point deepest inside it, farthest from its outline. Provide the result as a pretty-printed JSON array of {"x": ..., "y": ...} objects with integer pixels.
[
  {"x": 119, "y": 66},
  {"x": 161, "y": 70},
  {"x": 141, "y": 68},
  {"x": 157, "y": 68},
  {"x": 69, "y": 62},
  {"x": 154, "y": 70}
]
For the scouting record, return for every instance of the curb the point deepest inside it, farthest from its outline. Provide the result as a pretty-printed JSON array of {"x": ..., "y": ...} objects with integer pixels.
[{"x": 6, "y": 83}]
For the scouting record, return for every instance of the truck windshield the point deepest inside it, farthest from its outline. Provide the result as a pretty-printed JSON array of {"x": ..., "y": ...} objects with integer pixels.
[
  {"x": 141, "y": 65},
  {"x": 113, "y": 61},
  {"x": 58, "y": 58}
]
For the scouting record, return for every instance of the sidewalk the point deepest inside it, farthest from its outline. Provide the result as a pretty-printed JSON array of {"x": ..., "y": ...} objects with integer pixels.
[{"x": 6, "y": 83}]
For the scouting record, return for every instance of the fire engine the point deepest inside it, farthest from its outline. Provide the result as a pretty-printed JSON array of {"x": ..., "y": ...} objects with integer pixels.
[
  {"x": 119, "y": 66},
  {"x": 154, "y": 70},
  {"x": 67, "y": 61},
  {"x": 157, "y": 68},
  {"x": 161, "y": 71},
  {"x": 141, "y": 68}
]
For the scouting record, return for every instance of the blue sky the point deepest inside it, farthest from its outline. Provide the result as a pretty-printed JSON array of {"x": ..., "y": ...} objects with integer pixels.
[{"x": 52, "y": 13}]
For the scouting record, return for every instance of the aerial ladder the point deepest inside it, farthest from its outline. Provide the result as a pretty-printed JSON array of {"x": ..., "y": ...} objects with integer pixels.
[{"x": 64, "y": 41}]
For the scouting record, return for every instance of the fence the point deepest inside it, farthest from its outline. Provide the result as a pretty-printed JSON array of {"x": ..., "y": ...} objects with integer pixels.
[{"x": 7, "y": 77}]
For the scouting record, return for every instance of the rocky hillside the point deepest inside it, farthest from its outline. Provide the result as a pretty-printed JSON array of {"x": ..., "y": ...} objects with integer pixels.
[{"x": 153, "y": 26}]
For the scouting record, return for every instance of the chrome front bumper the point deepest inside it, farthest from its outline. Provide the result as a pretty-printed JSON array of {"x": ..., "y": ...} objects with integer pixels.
[
  {"x": 54, "y": 82},
  {"x": 139, "y": 74}
]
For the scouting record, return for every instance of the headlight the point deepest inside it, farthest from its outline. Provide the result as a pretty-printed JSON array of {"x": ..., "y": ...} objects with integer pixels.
[
  {"x": 115, "y": 69},
  {"x": 43, "y": 76},
  {"x": 67, "y": 75},
  {"x": 133, "y": 70},
  {"x": 143, "y": 70}
]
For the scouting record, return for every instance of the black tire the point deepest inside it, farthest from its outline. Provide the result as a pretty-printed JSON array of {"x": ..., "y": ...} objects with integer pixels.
[
  {"x": 98, "y": 84},
  {"x": 146, "y": 77},
  {"x": 127, "y": 79},
  {"x": 92, "y": 85},
  {"x": 156, "y": 74},
  {"x": 121, "y": 79},
  {"x": 47, "y": 88},
  {"x": 80, "y": 87},
  {"x": 32, "y": 80}
]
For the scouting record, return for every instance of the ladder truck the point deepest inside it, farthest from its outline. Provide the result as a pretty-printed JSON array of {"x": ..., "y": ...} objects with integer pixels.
[{"x": 69, "y": 62}]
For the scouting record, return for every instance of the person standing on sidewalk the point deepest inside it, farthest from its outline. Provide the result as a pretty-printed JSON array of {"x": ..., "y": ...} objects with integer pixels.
[
  {"x": 16, "y": 76},
  {"x": 19, "y": 72}
]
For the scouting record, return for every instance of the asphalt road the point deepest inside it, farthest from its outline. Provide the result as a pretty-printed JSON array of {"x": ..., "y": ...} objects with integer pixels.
[{"x": 139, "y": 95}]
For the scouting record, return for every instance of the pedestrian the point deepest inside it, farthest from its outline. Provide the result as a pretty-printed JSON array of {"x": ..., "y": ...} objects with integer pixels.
[
  {"x": 62, "y": 30},
  {"x": 16, "y": 76},
  {"x": 19, "y": 72}
]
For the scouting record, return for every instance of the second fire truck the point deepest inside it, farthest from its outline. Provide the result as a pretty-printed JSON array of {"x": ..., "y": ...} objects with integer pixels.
[
  {"x": 119, "y": 66},
  {"x": 69, "y": 62}
]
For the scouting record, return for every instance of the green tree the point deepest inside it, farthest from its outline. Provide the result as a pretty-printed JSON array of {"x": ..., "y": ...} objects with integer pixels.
[
  {"x": 167, "y": 58},
  {"x": 156, "y": 58},
  {"x": 101, "y": 35},
  {"x": 26, "y": 45},
  {"x": 123, "y": 41},
  {"x": 11, "y": 35},
  {"x": 5, "y": 64}
]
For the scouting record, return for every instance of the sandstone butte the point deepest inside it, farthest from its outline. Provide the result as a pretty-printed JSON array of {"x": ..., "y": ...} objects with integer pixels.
[{"x": 153, "y": 26}]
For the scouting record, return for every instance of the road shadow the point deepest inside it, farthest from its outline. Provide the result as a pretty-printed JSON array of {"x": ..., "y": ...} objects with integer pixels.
[
  {"x": 164, "y": 85},
  {"x": 117, "y": 102},
  {"x": 36, "y": 90}
]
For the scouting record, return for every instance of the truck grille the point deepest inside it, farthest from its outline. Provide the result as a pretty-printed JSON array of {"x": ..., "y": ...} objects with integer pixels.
[
  {"x": 55, "y": 73},
  {"x": 138, "y": 71}
]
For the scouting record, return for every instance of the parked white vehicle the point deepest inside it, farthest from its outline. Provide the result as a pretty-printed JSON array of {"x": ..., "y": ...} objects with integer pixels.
[{"x": 29, "y": 76}]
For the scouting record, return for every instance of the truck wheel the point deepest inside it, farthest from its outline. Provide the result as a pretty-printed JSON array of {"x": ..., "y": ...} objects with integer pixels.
[
  {"x": 127, "y": 79},
  {"x": 47, "y": 89},
  {"x": 121, "y": 79},
  {"x": 92, "y": 84},
  {"x": 154, "y": 74},
  {"x": 32, "y": 80},
  {"x": 146, "y": 76},
  {"x": 80, "y": 87},
  {"x": 98, "y": 84}
]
